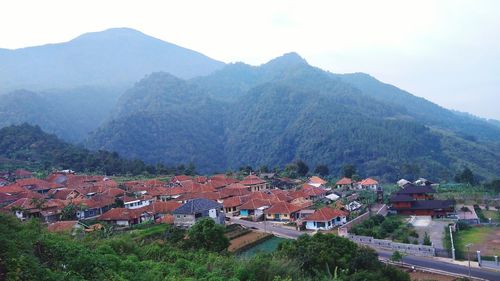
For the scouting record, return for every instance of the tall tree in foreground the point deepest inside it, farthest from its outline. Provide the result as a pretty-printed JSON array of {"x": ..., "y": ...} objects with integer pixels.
[{"x": 206, "y": 234}]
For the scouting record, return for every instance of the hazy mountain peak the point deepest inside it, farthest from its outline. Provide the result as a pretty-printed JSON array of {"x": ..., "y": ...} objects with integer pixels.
[
  {"x": 288, "y": 59},
  {"x": 111, "y": 33}
]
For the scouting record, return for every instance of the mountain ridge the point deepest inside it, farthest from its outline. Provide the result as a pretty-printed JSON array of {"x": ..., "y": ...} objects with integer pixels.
[{"x": 287, "y": 110}]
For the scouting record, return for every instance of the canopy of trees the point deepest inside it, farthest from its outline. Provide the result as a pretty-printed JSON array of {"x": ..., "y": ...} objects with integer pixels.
[{"x": 160, "y": 252}]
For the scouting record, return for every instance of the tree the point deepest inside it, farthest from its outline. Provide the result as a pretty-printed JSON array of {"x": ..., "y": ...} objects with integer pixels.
[
  {"x": 465, "y": 176},
  {"x": 69, "y": 212},
  {"x": 322, "y": 170},
  {"x": 396, "y": 256},
  {"x": 206, "y": 234},
  {"x": 264, "y": 169},
  {"x": 302, "y": 168},
  {"x": 427, "y": 240},
  {"x": 348, "y": 170}
]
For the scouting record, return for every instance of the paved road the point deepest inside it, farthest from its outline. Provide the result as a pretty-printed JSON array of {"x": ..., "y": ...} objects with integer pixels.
[{"x": 413, "y": 260}]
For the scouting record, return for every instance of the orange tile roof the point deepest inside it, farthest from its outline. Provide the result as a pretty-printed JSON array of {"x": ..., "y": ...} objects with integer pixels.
[
  {"x": 344, "y": 181},
  {"x": 318, "y": 180},
  {"x": 253, "y": 204},
  {"x": 252, "y": 180},
  {"x": 234, "y": 201},
  {"x": 61, "y": 226},
  {"x": 325, "y": 214},
  {"x": 283, "y": 208},
  {"x": 369, "y": 181},
  {"x": 121, "y": 214}
]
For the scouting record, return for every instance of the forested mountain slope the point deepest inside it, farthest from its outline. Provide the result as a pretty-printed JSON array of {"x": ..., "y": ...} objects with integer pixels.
[{"x": 286, "y": 110}]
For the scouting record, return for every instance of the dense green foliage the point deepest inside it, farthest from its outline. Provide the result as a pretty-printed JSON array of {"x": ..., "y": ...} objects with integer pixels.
[
  {"x": 326, "y": 253},
  {"x": 29, "y": 147},
  {"x": 381, "y": 227},
  {"x": 286, "y": 110},
  {"x": 208, "y": 235},
  {"x": 69, "y": 114},
  {"x": 159, "y": 252}
]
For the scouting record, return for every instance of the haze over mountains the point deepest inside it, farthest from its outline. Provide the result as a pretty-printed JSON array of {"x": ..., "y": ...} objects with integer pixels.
[{"x": 219, "y": 117}]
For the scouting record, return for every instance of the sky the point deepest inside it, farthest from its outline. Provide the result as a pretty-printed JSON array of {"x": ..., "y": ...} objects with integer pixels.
[{"x": 445, "y": 51}]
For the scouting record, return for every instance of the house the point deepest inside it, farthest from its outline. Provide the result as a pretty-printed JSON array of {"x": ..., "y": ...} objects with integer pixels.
[
  {"x": 325, "y": 218},
  {"x": 353, "y": 206},
  {"x": 252, "y": 208},
  {"x": 180, "y": 178},
  {"x": 423, "y": 182},
  {"x": 46, "y": 210},
  {"x": 316, "y": 181},
  {"x": 90, "y": 208},
  {"x": 37, "y": 185},
  {"x": 282, "y": 183},
  {"x": 283, "y": 211},
  {"x": 254, "y": 183},
  {"x": 402, "y": 182},
  {"x": 64, "y": 226},
  {"x": 22, "y": 174},
  {"x": 369, "y": 184},
  {"x": 345, "y": 184},
  {"x": 332, "y": 197},
  {"x": 193, "y": 210},
  {"x": 136, "y": 203},
  {"x": 311, "y": 192},
  {"x": 232, "y": 205},
  {"x": 64, "y": 193},
  {"x": 419, "y": 201},
  {"x": 126, "y": 217}
]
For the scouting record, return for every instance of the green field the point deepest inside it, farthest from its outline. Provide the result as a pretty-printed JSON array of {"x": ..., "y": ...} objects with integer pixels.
[
  {"x": 493, "y": 214},
  {"x": 485, "y": 239}
]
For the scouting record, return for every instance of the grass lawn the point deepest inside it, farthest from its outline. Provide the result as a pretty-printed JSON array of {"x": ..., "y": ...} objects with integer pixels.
[
  {"x": 485, "y": 239},
  {"x": 493, "y": 214}
]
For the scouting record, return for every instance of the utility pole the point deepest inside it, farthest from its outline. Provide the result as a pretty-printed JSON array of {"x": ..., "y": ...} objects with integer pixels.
[{"x": 468, "y": 256}]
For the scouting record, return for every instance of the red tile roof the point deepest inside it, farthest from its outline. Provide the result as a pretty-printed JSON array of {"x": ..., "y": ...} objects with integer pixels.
[
  {"x": 283, "y": 208},
  {"x": 317, "y": 180},
  {"x": 160, "y": 207},
  {"x": 168, "y": 219},
  {"x": 253, "y": 204},
  {"x": 325, "y": 214},
  {"x": 369, "y": 181},
  {"x": 36, "y": 184},
  {"x": 12, "y": 189},
  {"x": 252, "y": 180},
  {"x": 121, "y": 214},
  {"x": 234, "y": 201},
  {"x": 61, "y": 226},
  {"x": 180, "y": 178},
  {"x": 344, "y": 181}
]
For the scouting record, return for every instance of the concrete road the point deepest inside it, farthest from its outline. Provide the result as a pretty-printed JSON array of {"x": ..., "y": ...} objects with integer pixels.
[{"x": 426, "y": 262}]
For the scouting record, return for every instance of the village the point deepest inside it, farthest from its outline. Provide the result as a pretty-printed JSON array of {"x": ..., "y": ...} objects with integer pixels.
[{"x": 408, "y": 218}]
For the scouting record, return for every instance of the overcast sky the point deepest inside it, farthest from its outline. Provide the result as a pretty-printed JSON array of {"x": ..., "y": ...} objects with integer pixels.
[{"x": 445, "y": 51}]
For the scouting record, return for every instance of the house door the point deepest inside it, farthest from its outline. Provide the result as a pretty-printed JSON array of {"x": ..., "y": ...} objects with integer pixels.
[{"x": 277, "y": 216}]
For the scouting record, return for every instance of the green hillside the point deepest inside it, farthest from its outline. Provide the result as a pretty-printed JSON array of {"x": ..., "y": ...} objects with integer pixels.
[
  {"x": 26, "y": 146},
  {"x": 287, "y": 110}
]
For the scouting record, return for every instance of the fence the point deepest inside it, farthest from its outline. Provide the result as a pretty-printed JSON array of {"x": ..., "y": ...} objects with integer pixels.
[
  {"x": 344, "y": 230},
  {"x": 416, "y": 250}
]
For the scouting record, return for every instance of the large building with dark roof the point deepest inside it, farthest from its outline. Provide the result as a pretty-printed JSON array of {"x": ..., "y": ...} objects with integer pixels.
[
  {"x": 419, "y": 201},
  {"x": 195, "y": 209}
]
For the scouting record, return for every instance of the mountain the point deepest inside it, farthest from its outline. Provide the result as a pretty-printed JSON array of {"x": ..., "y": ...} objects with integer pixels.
[
  {"x": 70, "y": 88},
  {"x": 286, "y": 110},
  {"x": 69, "y": 113},
  {"x": 118, "y": 56},
  {"x": 27, "y": 146}
]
